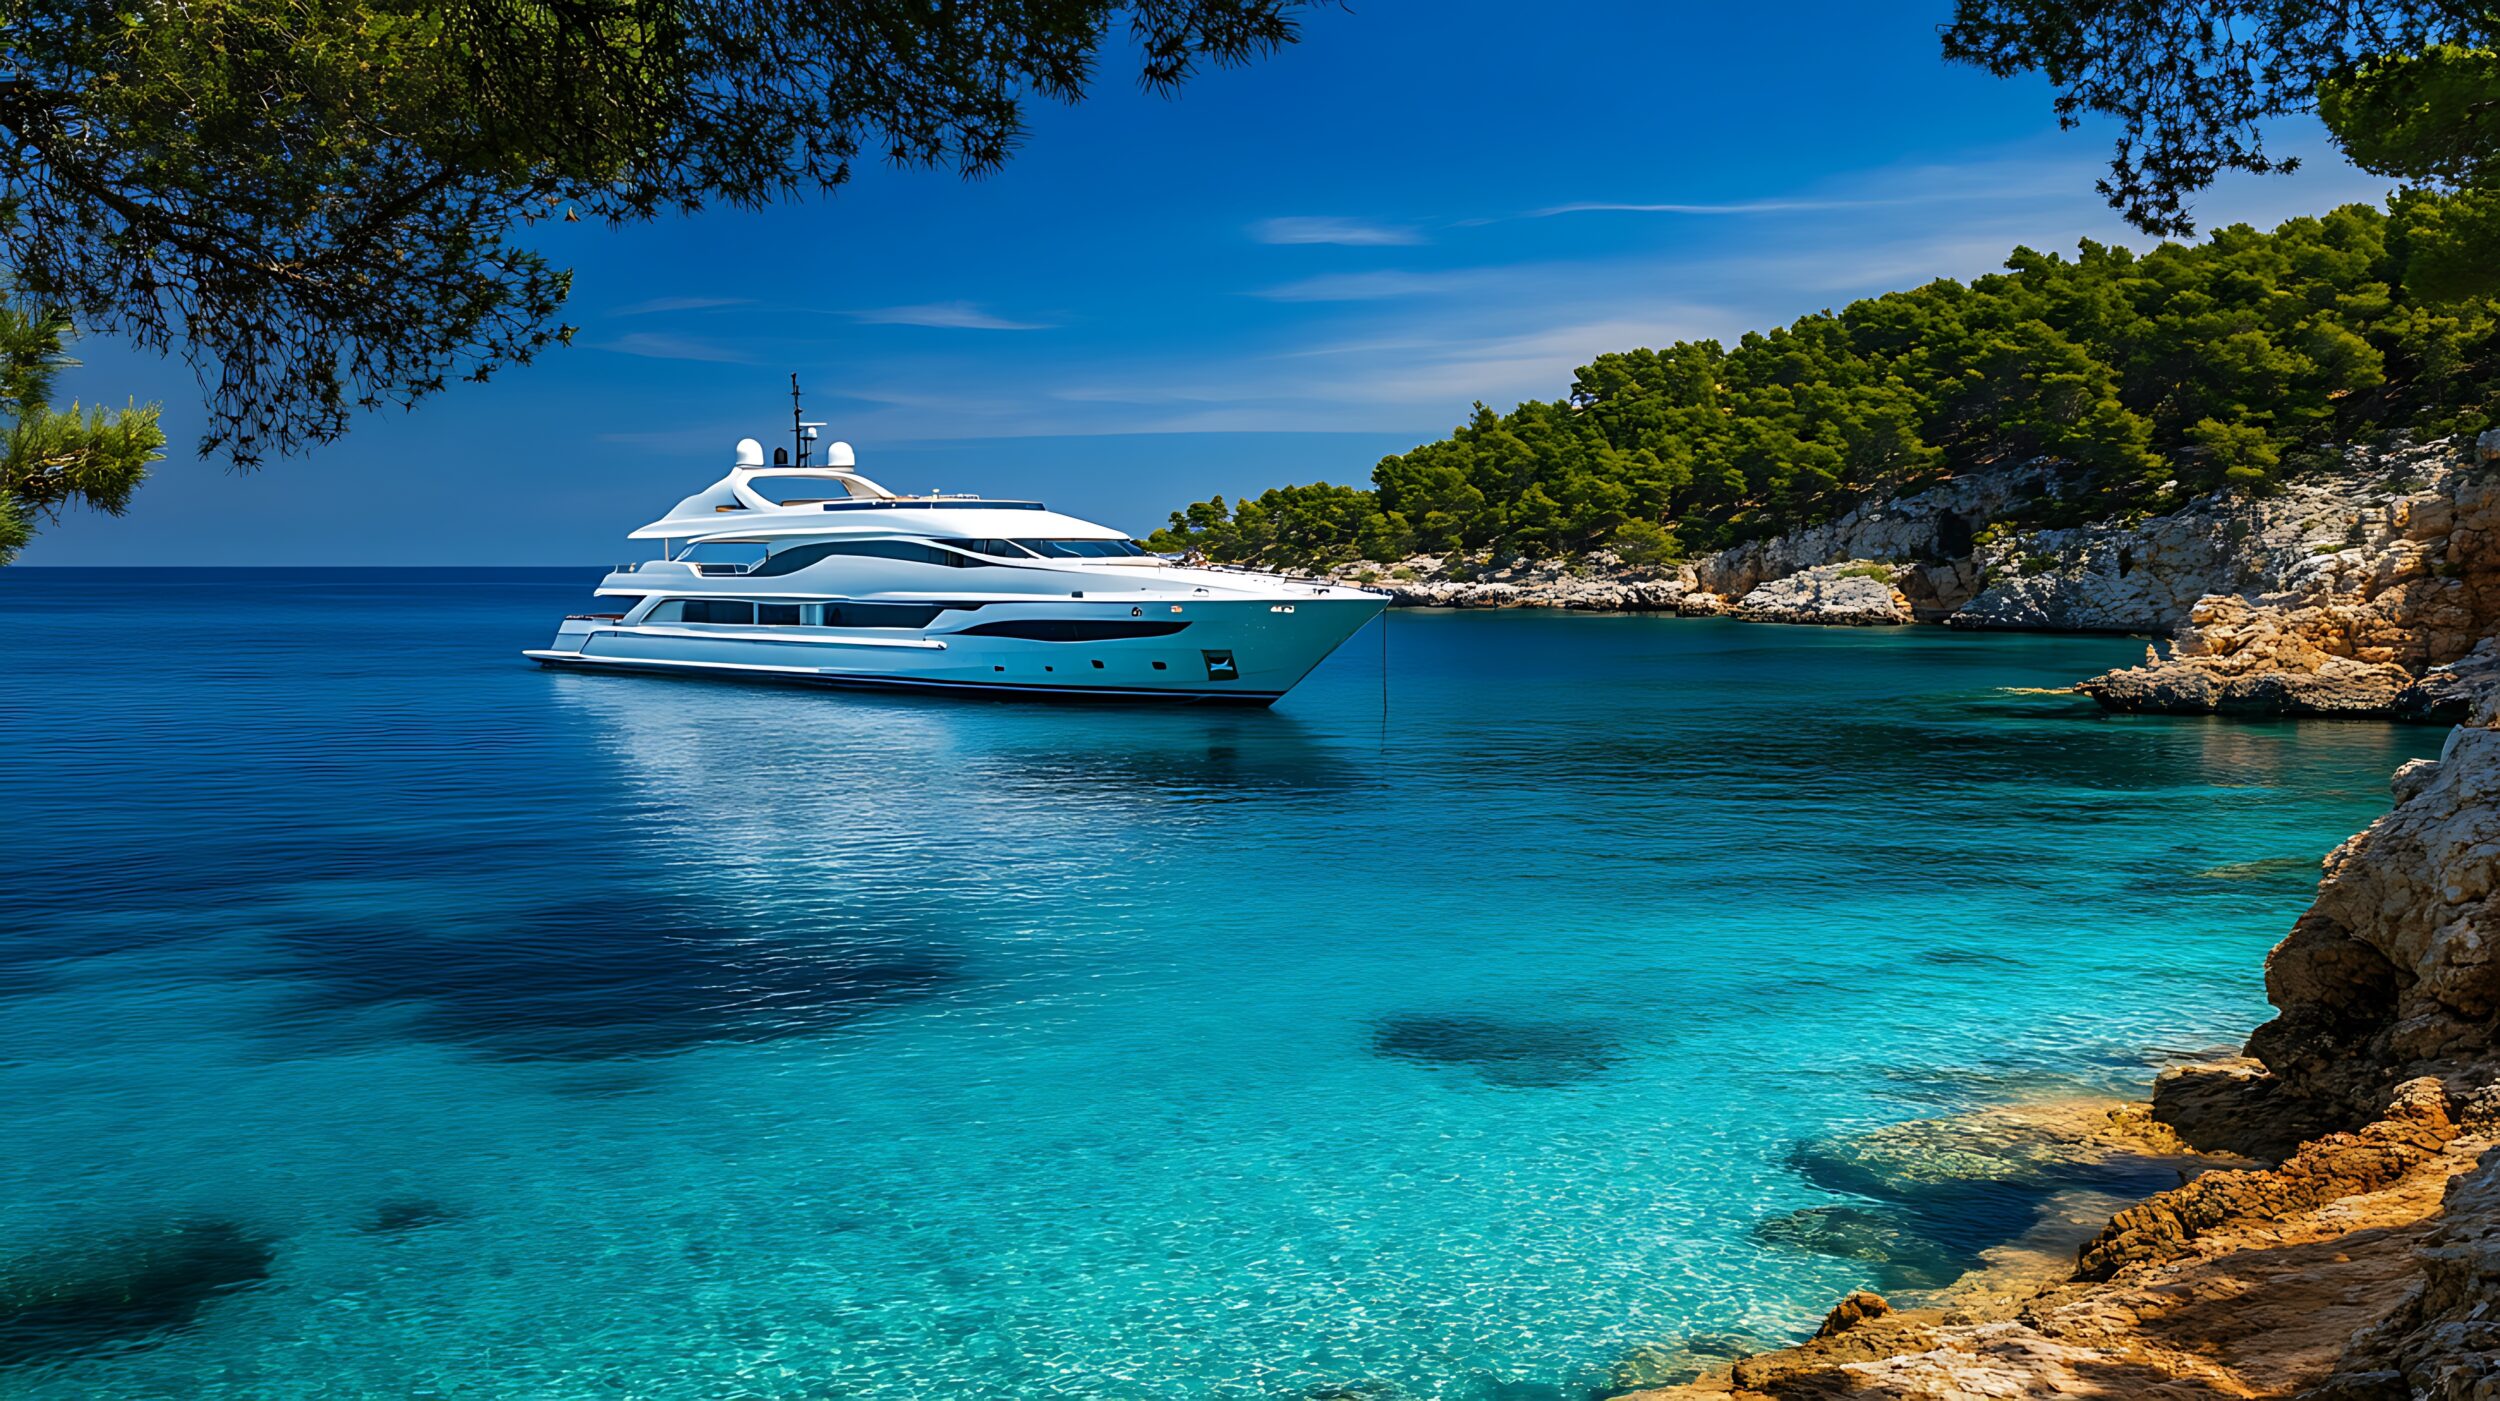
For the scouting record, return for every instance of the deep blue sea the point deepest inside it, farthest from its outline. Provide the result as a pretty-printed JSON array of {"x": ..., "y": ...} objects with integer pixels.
[{"x": 381, "y": 1016}]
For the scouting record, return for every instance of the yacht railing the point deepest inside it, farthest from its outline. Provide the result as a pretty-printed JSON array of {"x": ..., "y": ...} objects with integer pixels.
[{"x": 1320, "y": 582}]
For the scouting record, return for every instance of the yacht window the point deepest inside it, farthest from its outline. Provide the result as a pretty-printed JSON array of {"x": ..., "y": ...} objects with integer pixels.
[
  {"x": 733, "y": 552},
  {"x": 798, "y": 557},
  {"x": 1082, "y": 549},
  {"x": 1072, "y": 629},
  {"x": 800, "y": 491},
  {"x": 774, "y": 615},
  {"x": 703, "y": 610},
  {"x": 880, "y": 615},
  {"x": 1004, "y": 549}
]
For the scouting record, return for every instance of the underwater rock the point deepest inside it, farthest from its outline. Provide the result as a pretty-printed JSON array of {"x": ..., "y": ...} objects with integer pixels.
[
  {"x": 1673, "y": 1364},
  {"x": 399, "y": 1217},
  {"x": 2045, "y": 1143},
  {"x": 1368, "y": 1389},
  {"x": 123, "y": 1292},
  {"x": 1516, "y": 1053},
  {"x": 1484, "y": 1386},
  {"x": 1934, "y": 1195},
  {"x": 603, "y": 979},
  {"x": 2264, "y": 868},
  {"x": 1905, "y": 1256}
]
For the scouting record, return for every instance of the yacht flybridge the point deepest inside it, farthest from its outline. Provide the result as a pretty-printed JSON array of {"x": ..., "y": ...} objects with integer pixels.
[{"x": 804, "y": 572}]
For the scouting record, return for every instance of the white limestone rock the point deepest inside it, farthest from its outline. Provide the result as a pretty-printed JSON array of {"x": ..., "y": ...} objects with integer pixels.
[{"x": 1858, "y": 593}]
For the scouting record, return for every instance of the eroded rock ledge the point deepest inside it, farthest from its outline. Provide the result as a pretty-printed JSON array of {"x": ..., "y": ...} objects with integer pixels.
[{"x": 2365, "y": 1264}]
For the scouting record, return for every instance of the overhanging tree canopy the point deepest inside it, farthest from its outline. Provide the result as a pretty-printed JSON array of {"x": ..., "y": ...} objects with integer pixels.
[
  {"x": 323, "y": 205},
  {"x": 2192, "y": 83}
]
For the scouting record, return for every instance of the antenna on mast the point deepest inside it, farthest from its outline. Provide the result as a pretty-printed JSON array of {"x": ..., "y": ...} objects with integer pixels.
[
  {"x": 798, "y": 429},
  {"x": 802, "y": 432}
]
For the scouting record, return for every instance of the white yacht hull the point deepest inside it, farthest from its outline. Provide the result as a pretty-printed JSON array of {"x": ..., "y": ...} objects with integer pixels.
[{"x": 1225, "y": 651}]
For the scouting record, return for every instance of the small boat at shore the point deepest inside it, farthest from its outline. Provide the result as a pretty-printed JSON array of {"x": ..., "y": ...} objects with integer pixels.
[{"x": 796, "y": 571}]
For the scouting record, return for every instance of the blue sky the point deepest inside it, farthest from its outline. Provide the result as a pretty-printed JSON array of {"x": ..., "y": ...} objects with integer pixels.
[{"x": 1282, "y": 274}]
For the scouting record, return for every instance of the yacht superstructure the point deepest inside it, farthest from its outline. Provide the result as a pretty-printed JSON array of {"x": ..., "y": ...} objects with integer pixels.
[{"x": 796, "y": 571}]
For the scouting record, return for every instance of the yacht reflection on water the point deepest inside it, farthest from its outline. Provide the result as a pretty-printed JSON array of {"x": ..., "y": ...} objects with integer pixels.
[{"x": 713, "y": 754}]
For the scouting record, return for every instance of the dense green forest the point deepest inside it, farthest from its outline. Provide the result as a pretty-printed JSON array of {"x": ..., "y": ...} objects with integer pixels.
[{"x": 2154, "y": 377}]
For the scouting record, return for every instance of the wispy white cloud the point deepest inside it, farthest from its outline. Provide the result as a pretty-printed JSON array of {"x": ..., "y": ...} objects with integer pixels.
[
  {"x": 1350, "y": 233},
  {"x": 1756, "y": 206},
  {"x": 947, "y": 316},
  {"x": 661, "y": 304},
  {"x": 652, "y": 345},
  {"x": 1377, "y": 286}
]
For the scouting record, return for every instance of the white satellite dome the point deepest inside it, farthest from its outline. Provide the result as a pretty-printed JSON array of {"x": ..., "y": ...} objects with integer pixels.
[
  {"x": 839, "y": 455},
  {"x": 750, "y": 453}
]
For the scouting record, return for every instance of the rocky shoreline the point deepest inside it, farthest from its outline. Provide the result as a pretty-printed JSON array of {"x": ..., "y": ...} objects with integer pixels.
[
  {"x": 2356, "y": 1257},
  {"x": 2359, "y": 590}
]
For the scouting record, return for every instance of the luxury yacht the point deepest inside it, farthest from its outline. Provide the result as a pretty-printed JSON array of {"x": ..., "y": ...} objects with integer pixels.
[{"x": 804, "y": 572}]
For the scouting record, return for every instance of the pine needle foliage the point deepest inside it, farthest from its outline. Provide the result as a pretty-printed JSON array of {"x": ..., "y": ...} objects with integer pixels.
[{"x": 55, "y": 457}]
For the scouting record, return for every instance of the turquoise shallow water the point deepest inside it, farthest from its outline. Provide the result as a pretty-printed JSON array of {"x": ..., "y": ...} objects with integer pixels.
[{"x": 408, "y": 1022}]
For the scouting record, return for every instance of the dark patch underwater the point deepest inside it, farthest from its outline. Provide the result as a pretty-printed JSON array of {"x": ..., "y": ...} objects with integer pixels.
[
  {"x": 609, "y": 979},
  {"x": 132, "y": 1291},
  {"x": 1515, "y": 1053}
]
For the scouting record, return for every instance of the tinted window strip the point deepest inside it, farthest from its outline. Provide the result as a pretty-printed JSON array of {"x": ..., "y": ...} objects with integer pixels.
[{"x": 1071, "y": 629}]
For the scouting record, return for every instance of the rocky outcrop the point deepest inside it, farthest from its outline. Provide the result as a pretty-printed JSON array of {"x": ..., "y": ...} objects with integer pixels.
[
  {"x": 2450, "y": 694},
  {"x": 2392, "y": 972},
  {"x": 2326, "y": 531},
  {"x": 2415, "y": 1130},
  {"x": 1859, "y": 1308},
  {"x": 1932, "y": 533},
  {"x": 1855, "y": 594},
  {"x": 2239, "y": 658},
  {"x": 2349, "y": 630}
]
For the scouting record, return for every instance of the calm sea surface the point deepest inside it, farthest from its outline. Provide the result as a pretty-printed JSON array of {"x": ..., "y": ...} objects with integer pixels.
[{"x": 381, "y": 1016}]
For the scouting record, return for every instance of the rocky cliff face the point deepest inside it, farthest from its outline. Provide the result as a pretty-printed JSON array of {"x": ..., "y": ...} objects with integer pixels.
[
  {"x": 2345, "y": 631},
  {"x": 2394, "y": 972}
]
